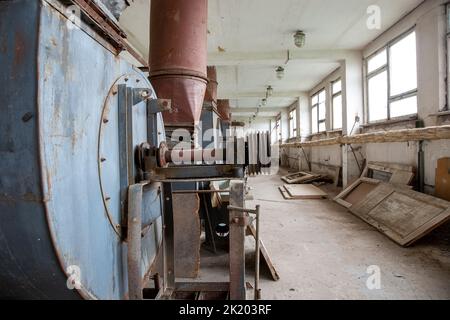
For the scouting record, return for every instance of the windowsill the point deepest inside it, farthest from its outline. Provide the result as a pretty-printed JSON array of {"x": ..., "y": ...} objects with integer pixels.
[
  {"x": 441, "y": 114},
  {"x": 335, "y": 131},
  {"x": 317, "y": 134},
  {"x": 392, "y": 121}
]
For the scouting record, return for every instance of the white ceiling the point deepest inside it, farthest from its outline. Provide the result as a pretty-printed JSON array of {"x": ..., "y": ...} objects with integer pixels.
[{"x": 248, "y": 39}]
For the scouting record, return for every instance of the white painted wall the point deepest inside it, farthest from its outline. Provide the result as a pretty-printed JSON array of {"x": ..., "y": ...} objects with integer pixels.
[
  {"x": 429, "y": 20},
  {"x": 260, "y": 124}
]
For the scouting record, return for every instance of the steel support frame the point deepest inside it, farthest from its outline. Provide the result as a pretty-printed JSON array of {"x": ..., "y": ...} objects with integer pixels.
[{"x": 236, "y": 285}]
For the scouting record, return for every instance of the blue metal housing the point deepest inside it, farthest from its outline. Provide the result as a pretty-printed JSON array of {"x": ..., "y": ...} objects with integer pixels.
[{"x": 60, "y": 202}]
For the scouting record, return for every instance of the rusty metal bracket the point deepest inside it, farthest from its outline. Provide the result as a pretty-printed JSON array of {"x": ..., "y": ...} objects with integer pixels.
[{"x": 159, "y": 105}]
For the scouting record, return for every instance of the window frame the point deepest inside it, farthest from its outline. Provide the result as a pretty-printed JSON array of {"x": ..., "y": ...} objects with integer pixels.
[
  {"x": 293, "y": 132},
  {"x": 387, "y": 68},
  {"x": 333, "y": 96},
  {"x": 319, "y": 121}
]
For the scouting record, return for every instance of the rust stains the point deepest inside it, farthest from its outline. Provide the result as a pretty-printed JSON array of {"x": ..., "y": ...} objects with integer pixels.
[{"x": 19, "y": 49}]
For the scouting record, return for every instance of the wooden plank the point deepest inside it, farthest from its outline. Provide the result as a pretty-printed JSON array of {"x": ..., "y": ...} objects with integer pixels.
[
  {"x": 399, "y": 174},
  {"x": 405, "y": 135},
  {"x": 265, "y": 254},
  {"x": 403, "y": 215},
  {"x": 402, "y": 177},
  {"x": 443, "y": 179},
  {"x": 305, "y": 191},
  {"x": 284, "y": 193},
  {"x": 346, "y": 194},
  {"x": 301, "y": 178},
  {"x": 187, "y": 232}
]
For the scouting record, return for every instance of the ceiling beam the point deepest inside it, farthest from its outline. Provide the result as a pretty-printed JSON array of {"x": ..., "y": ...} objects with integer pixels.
[
  {"x": 245, "y": 119},
  {"x": 261, "y": 110},
  {"x": 259, "y": 94},
  {"x": 277, "y": 57}
]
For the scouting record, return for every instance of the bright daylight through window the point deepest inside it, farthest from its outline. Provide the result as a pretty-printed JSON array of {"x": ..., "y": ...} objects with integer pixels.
[{"x": 392, "y": 80}]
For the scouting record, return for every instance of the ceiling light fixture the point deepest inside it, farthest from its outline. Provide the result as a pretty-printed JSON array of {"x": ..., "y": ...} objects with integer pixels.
[
  {"x": 300, "y": 39},
  {"x": 280, "y": 73},
  {"x": 269, "y": 91}
]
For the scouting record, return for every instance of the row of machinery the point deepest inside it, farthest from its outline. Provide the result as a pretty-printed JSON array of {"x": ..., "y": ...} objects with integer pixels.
[{"x": 97, "y": 173}]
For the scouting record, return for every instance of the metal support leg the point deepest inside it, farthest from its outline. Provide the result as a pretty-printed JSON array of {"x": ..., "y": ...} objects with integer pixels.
[
  {"x": 257, "y": 244},
  {"x": 168, "y": 242},
  {"x": 135, "y": 193},
  {"x": 237, "y": 240},
  {"x": 257, "y": 257}
]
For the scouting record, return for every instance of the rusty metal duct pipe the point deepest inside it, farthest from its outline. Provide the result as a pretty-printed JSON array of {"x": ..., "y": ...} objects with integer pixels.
[
  {"x": 211, "y": 89},
  {"x": 223, "y": 107},
  {"x": 178, "y": 57}
]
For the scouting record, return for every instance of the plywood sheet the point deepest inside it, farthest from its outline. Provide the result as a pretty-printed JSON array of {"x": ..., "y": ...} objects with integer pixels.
[
  {"x": 186, "y": 235},
  {"x": 305, "y": 191},
  {"x": 443, "y": 179},
  {"x": 403, "y": 215}
]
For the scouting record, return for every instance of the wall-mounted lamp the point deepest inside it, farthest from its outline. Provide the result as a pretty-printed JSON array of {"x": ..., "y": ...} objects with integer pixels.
[
  {"x": 280, "y": 73},
  {"x": 300, "y": 39},
  {"x": 269, "y": 91},
  {"x": 264, "y": 102}
]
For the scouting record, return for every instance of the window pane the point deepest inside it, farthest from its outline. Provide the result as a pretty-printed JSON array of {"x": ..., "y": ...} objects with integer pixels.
[
  {"x": 404, "y": 107},
  {"x": 403, "y": 65},
  {"x": 337, "y": 87},
  {"x": 315, "y": 100},
  {"x": 322, "y": 111},
  {"x": 378, "y": 97},
  {"x": 337, "y": 112},
  {"x": 377, "y": 61},
  {"x": 322, "y": 127},
  {"x": 322, "y": 96},
  {"x": 314, "y": 119}
]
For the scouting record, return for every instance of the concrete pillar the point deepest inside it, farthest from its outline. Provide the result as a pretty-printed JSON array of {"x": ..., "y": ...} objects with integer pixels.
[{"x": 353, "y": 106}]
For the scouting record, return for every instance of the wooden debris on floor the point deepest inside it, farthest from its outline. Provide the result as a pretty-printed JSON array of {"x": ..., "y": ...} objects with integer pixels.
[
  {"x": 301, "y": 178},
  {"x": 284, "y": 193},
  {"x": 443, "y": 179},
  {"x": 390, "y": 172},
  {"x": 403, "y": 215},
  {"x": 302, "y": 192},
  {"x": 356, "y": 192},
  {"x": 265, "y": 255},
  {"x": 390, "y": 205}
]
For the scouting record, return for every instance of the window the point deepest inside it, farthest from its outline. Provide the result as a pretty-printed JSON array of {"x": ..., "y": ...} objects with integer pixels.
[
  {"x": 293, "y": 124},
  {"x": 392, "y": 80},
  {"x": 336, "y": 89},
  {"x": 318, "y": 112}
]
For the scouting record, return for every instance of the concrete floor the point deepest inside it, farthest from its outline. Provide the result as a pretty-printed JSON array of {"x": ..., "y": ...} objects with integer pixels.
[{"x": 322, "y": 251}]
